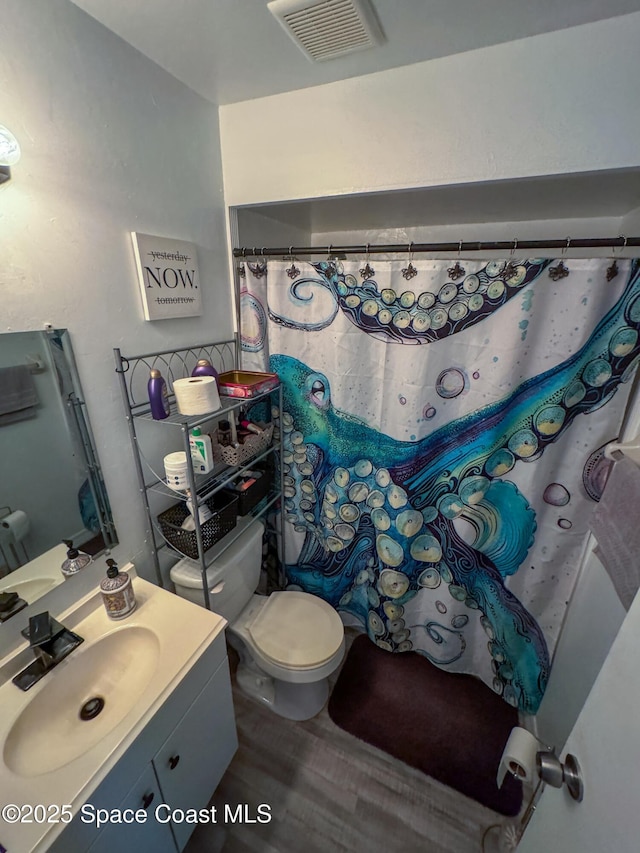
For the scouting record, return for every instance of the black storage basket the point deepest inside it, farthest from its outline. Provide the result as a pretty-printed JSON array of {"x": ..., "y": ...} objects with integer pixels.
[
  {"x": 224, "y": 507},
  {"x": 252, "y": 496}
]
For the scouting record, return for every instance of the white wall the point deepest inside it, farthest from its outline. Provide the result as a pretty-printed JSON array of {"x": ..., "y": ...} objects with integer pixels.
[
  {"x": 551, "y": 104},
  {"x": 111, "y": 143},
  {"x": 257, "y": 230}
]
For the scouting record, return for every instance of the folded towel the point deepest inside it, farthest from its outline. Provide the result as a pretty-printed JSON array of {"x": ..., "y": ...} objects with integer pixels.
[
  {"x": 18, "y": 396},
  {"x": 615, "y": 526}
]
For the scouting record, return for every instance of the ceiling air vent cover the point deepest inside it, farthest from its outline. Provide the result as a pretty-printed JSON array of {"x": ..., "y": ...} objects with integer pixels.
[{"x": 324, "y": 29}]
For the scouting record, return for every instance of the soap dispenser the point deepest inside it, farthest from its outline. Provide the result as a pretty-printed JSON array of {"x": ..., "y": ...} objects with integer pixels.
[
  {"x": 117, "y": 592},
  {"x": 75, "y": 561}
]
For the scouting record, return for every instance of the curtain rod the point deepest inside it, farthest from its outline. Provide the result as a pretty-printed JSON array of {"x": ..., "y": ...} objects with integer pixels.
[{"x": 460, "y": 246}]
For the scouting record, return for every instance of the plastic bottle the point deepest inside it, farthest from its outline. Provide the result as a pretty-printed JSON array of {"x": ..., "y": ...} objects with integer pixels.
[
  {"x": 204, "y": 514},
  {"x": 76, "y": 560},
  {"x": 205, "y": 368},
  {"x": 117, "y": 592},
  {"x": 201, "y": 451},
  {"x": 224, "y": 433},
  {"x": 158, "y": 395}
]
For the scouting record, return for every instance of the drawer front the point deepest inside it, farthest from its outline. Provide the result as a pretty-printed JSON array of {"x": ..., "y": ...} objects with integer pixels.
[
  {"x": 195, "y": 756},
  {"x": 151, "y": 836}
]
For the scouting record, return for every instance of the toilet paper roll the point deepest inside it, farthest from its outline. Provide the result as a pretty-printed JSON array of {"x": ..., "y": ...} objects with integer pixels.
[
  {"x": 197, "y": 395},
  {"x": 519, "y": 756},
  {"x": 16, "y": 523}
]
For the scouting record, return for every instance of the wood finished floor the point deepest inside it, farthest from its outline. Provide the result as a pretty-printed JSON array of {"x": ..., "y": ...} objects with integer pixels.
[{"x": 329, "y": 791}]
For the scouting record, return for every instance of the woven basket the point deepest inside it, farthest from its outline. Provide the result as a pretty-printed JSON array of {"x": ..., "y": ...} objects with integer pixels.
[
  {"x": 253, "y": 445},
  {"x": 224, "y": 507}
]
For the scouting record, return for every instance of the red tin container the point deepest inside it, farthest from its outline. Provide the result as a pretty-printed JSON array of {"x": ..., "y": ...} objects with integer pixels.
[{"x": 246, "y": 383}]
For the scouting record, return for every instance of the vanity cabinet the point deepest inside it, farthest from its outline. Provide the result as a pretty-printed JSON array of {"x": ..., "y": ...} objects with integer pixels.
[
  {"x": 151, "y": 835},
  {"x": 152, "y": 439},
  {"x": 191, "y": 762},
  {"x": 177, "y": 762}
]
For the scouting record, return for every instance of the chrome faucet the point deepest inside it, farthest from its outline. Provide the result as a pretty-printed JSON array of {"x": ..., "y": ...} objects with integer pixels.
[{"x": 51, "y": 643}]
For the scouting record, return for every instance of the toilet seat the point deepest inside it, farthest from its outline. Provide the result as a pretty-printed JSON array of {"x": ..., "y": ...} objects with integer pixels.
[{"x": 296, "y": 630}]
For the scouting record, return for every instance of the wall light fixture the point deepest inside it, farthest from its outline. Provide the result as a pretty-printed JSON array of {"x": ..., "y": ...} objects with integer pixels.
[{"x": 9, "y": 153}]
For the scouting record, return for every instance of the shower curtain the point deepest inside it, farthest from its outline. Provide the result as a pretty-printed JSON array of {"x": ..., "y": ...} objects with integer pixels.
[{"x": 444, "y": 425}]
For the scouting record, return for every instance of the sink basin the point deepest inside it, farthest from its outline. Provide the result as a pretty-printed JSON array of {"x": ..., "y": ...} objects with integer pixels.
[
  {"x": 86, "y": 697},
  {"x": 38, "y": 577},
  {"x": 30, "y": 590}
]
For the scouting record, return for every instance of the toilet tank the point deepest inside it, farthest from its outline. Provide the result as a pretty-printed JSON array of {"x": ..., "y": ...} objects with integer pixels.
[{"x": 232, "y": 578}]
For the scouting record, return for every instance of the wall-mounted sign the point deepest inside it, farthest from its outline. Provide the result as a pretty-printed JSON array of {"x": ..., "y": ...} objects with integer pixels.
[{"x": 168, "y": 276}]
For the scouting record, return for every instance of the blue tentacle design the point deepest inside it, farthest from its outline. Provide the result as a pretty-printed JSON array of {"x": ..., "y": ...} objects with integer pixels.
[
  {"x": 414, "y": 316},
  {"x": 379, "y": 516}
]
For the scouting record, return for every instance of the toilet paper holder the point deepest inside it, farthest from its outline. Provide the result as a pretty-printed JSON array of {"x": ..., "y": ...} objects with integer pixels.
[{"x": 553, "y": 772}]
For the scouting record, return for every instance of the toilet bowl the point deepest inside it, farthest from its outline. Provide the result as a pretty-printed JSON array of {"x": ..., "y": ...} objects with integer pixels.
[{"x": 288, "y": 642}]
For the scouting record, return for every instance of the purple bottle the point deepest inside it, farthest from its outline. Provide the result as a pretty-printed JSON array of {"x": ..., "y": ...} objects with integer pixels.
[
  {"x": 158, "y": 396},
  {"x": 205, "y": 368}
]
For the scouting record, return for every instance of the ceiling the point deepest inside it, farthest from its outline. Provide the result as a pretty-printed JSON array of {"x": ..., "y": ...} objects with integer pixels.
[{"x": 235, "y": 50}]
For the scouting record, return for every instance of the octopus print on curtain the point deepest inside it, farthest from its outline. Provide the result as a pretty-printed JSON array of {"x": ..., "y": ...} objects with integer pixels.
[{"x": 443, "y": 428}]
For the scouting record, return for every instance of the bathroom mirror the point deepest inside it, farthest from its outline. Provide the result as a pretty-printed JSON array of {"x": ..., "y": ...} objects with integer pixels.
[{"x": 51, "y": 486}]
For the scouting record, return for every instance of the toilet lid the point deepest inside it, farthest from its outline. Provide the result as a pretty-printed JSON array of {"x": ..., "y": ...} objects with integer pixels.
[{"x": 297, "y": 629}]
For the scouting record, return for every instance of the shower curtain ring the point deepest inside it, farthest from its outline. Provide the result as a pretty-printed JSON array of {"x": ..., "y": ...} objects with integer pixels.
[
  {"x": 459, "y": 248},
  {"x": 514, "y": 247},
  {"x": 410, "y": 271},
  {"x": 329, "y": 252},
  {"x": 566, "y": 248}
]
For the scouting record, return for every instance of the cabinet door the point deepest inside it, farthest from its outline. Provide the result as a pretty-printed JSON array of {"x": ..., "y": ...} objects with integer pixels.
[
  {"x": 148, "y": 837},
  {"x": 194, "y": 757}
]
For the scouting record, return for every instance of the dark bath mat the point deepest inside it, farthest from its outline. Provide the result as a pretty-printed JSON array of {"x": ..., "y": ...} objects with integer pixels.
[{"x": 450, "y": 726}]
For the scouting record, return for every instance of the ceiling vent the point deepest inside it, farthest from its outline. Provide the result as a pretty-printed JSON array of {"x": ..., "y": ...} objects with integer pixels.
[{"x": 325, "y": 29}]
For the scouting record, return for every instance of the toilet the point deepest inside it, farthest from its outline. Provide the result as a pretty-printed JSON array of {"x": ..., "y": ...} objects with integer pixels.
[{"x": 288, "y": 643}]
